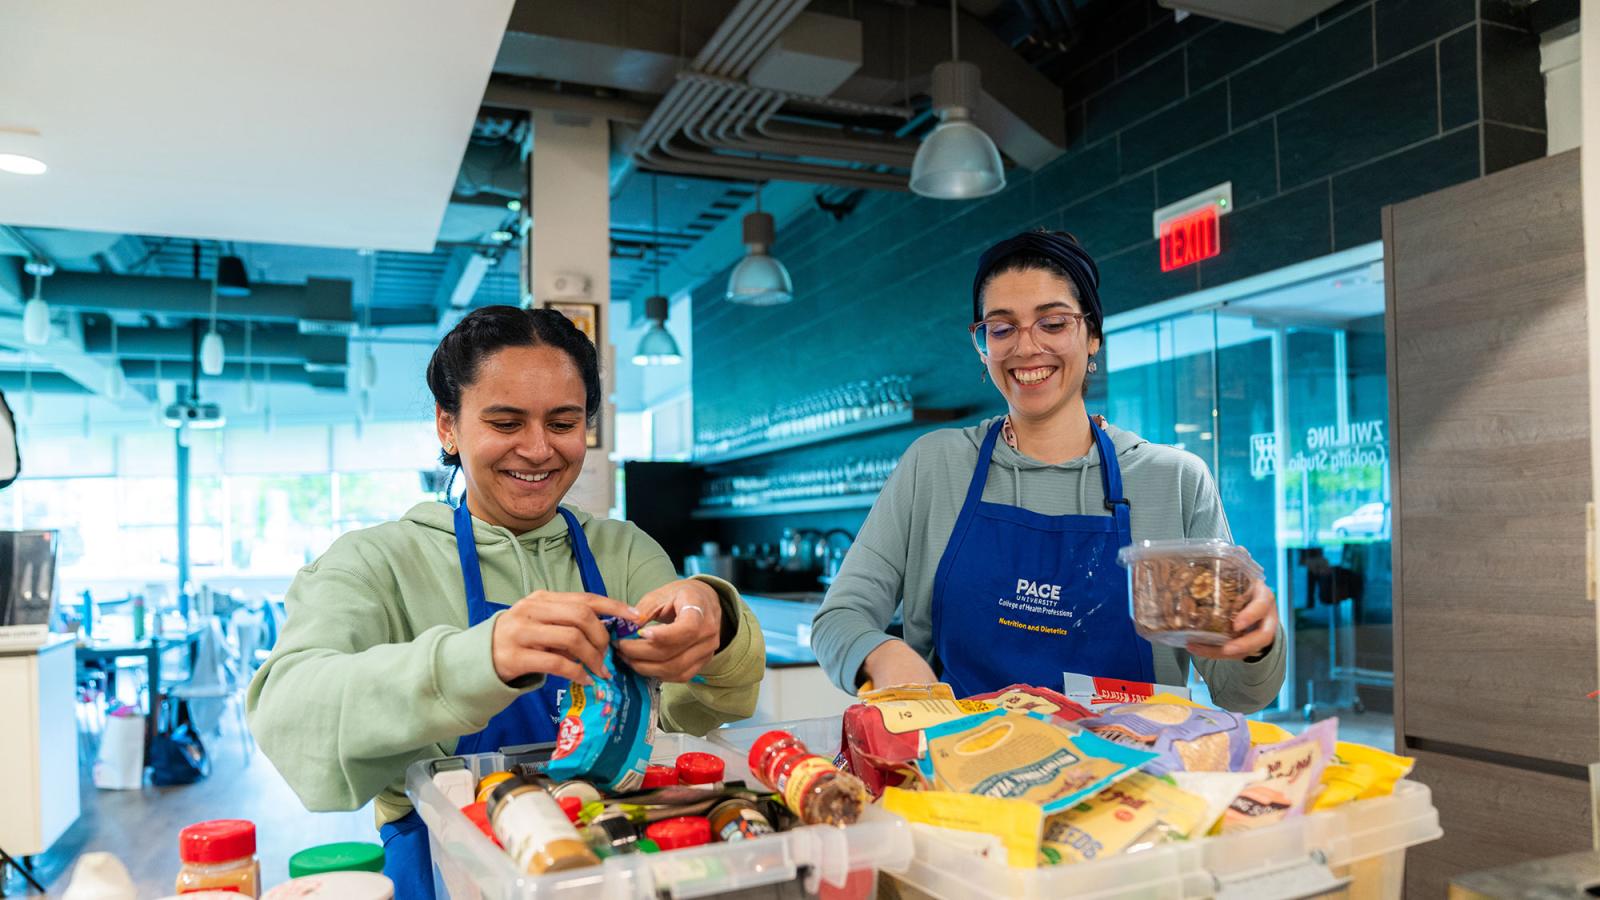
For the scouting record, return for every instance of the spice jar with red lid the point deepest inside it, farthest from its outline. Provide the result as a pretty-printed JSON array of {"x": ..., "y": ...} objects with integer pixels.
[{"x": 219, "y": 855}]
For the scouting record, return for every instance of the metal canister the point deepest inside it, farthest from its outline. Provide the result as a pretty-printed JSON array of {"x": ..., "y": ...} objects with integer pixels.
[{"x": 737, "y": 819}]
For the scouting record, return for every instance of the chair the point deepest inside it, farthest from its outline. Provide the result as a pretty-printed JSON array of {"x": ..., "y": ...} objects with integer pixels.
[{"x": 217, "y": 676}]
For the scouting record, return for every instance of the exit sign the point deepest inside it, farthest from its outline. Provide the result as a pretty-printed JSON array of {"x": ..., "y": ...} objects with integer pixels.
[{"x": 1189, "y": 238}]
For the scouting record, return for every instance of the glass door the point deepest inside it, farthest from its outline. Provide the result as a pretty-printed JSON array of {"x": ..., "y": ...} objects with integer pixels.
[{"x": 1283, "y": 393}]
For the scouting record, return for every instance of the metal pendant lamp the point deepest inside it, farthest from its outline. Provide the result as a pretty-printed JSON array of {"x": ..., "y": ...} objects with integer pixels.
[
  {"x": 759, "y": 279},
  {"x": 957, "y": 160},
  {"x": 657, "y": 347}
]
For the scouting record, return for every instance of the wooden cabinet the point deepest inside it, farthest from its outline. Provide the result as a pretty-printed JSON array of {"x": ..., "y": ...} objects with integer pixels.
[{"x": 1494, "y": 635}]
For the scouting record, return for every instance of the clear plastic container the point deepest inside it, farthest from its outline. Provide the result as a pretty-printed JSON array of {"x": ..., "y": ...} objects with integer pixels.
[
  {"x": 1364, "y": 842},
  {"x": 1187, "y": 590},
  {"x": 816, "y": 860}
]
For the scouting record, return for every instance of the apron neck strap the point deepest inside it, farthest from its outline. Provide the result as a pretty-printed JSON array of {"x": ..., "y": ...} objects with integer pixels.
[
  {"x": 1111, "y": 481},
  {"x": 472, "y": 574}
]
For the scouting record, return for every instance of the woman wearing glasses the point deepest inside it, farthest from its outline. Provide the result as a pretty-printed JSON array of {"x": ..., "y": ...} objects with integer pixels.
[{"x": 1000, "y": 540}]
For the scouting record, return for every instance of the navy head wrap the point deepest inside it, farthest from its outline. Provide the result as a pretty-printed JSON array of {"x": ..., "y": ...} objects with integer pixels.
[{"x": 1059, "y": 248}]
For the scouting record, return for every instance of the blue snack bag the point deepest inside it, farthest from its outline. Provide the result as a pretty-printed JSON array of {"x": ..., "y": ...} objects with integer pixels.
[{"x": 608, "y": 728}]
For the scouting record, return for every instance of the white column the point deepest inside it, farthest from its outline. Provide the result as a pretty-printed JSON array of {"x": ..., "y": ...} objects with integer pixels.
[{"x": 570, "y": 246}]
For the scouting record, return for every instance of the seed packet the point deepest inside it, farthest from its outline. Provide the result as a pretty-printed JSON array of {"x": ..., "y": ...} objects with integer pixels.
[
  {"x": 1218, "y": 790},
  {"x": 608, "y": 727},
  {"x": 1023, "y": 756},
  {"x": 1185, "y": 737},
  {"x": 1026, "y": 698},
  {"x": 1287, "y": 773},
  {"x": 1134, "y": 814},
  {"x": 1015, "y": 822},
  {"x": 1359, "y": 772},
  {"x": 883, "y": 734}
]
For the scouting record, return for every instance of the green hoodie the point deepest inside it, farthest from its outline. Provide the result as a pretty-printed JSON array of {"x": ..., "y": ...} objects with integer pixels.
[{"x": 376, "y": 667}]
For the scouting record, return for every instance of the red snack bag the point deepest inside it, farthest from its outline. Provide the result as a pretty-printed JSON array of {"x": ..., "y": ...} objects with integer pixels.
[
  {"x": 883, "y": 734},
  {"x": 1027, "y": 698}
]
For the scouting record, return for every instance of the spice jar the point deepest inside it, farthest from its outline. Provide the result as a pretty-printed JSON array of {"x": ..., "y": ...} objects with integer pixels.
[
  {"x": 219, "y": 856},
  {"x": 737, "y": 819},
  {"x": 811, "y": 786},
  {"x": 700, "y": 769},
  {"x": 534, "y": 830}
]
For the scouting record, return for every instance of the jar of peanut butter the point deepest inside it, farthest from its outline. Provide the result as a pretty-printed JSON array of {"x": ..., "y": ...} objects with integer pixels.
[{"x": 534, "y": 831}]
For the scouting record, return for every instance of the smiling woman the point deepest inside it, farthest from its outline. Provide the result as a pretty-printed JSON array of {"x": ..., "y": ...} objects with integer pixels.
[
  {"x": 1001, "y": 540},
  {"x": 454, "y": 631}
]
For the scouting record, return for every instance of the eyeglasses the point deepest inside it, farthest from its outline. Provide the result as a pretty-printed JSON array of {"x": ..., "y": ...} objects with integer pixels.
[{"x": 997, "y": 339}]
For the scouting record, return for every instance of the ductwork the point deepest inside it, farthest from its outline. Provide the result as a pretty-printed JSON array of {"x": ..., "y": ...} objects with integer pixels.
[
  {"x": 268, "y": 343},
  {"x": 15, "y": 383},
  {"x": 148, "y": 370},
  {"x": 320, "y": 305},
  {"x": 713, "y": 122}
]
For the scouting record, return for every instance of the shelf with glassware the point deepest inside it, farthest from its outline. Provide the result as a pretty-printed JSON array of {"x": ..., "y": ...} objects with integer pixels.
[
  {"x": 849, "y": 484},
  {"x": 857, "y": 408}
]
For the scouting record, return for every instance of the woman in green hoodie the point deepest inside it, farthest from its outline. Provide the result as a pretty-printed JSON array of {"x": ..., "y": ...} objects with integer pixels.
[{"x": 455, "y": 630}]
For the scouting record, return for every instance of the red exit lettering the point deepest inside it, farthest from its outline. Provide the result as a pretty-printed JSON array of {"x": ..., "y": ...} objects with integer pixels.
[{"x": 1190, "y": 238}]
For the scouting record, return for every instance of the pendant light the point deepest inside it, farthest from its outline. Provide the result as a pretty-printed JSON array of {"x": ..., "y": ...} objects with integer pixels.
[
  {"x": 957, "y": 160},
  {"x": 656, "y": 348},
  {"x": 36, "y": 313},
  {"x": 211, "y": 349},
  {"x": 759, "y": 279}
]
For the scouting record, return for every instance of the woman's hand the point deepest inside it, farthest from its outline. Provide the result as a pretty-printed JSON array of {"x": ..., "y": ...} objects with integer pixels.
[
  {"x": 1256, "y": 625},
  {"x": 894, "y": 662},
  {"x": 551, "y": 633},
  {"x": 678, "y": 649}
]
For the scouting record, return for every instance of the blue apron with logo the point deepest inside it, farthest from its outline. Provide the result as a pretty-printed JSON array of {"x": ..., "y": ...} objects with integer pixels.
[
  {"x": 1021, "y": 597},
  {"x": 530, "y": 718}
]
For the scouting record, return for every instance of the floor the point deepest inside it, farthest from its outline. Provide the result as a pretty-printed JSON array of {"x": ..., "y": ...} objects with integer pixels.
[{"x": 141, "y": 827}]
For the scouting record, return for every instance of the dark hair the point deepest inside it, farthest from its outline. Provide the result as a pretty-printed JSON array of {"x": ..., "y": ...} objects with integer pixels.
[
  {"x": 1026, "y": 261},
  {"x": 485, "y": 331}
]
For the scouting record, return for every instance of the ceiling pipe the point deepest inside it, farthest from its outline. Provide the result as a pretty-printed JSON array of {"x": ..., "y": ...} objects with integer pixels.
[
  {"x": 318, "y": 303},
  {"x": 147, "y": 370},
  {"x": 14, "y": 383},
  {"x": 277, "y": 343},
  {"x": 505, "y": 93}
]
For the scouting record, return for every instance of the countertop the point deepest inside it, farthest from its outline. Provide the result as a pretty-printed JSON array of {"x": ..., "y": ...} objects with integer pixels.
[
  {"x": 52, "y": 642},
  {"x": 1541, "y": 879},
  {"x": 786, "y": 625}
]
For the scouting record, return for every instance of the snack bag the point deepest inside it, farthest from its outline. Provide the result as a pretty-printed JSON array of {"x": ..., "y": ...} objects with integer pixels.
[
  {"x": 1026, "y": 698},
  {"x": 1087, "y": 690},
  {"x": 1359, "y": 772},
  {"x": 1015, "y": 822},
  {"x": 1260, "y": 732},
  {"x": 1218, "y": 789},
  {"x": 1024, "y": 756},
  {"x": 1134, "y": 814},
  {"x": 883, "y": 734},
  {"x": 1287, "y": 773},
  {"x": 608, "y": 727},
  {"x": 1185, "y": 737}
]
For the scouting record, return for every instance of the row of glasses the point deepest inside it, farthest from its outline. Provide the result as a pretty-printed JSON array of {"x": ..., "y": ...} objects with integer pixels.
[
  {"x": 817, "y": 412},
  {"x": 856, "y": 475}
]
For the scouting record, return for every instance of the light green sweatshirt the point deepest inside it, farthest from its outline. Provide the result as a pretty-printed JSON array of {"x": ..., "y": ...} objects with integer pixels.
[
  {"x": 376, "y": 667},
  {"x": 893, "y": 561}
]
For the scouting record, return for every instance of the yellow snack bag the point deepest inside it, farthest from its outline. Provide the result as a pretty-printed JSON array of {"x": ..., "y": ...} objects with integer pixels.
[
  {"x": 1387, "y": 767},
  {"x": 1016, "y": 822},
  {"x": 1134, "y": 814},
  {"x": 1260, "y": 732},
  {"x": 1342, "y": 784}
]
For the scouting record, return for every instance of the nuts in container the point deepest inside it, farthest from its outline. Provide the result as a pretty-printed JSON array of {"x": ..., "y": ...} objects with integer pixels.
[{"x": 1188, "y": 590}]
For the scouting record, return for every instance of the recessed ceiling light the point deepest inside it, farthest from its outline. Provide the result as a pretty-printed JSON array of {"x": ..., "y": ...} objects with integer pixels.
[
  {"x": 501, "y": 236},
  {"x": 17, "y": 164}
]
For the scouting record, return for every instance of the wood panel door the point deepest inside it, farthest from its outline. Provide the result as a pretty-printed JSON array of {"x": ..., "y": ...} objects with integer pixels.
[{"x": 1488, "y": 375}]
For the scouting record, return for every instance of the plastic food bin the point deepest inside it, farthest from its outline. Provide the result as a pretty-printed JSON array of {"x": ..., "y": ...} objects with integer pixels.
[
  {"x": 815, "y": 861},
  {"x": 1364, "y": 842}
]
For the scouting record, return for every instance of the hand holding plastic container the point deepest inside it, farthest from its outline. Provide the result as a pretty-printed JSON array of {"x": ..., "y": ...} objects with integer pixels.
[{"x": 1188, "y": 590}]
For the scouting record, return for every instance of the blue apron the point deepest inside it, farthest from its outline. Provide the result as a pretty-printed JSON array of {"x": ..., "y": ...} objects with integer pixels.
[
  {"x": 1021, "y": 597},
  {"x": 529, "y": 719}
]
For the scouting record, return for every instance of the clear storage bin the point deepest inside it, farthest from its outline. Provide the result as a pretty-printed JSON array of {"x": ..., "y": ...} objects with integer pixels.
[
  {"x": 805, "y": 862},
  {"x": 1364, "y": 842},
  {"x": 1187, "y": 590}
]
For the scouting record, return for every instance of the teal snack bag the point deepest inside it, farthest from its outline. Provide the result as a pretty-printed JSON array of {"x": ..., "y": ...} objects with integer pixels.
[{"x": 608, "y": 728}]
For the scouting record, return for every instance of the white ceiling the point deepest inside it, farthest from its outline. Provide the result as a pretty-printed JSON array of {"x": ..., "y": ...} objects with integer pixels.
[{"x": 295, "y": 122}]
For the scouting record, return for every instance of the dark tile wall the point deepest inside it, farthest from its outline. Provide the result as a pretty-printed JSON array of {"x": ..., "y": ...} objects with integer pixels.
[{"x": 1371, "y": 103}]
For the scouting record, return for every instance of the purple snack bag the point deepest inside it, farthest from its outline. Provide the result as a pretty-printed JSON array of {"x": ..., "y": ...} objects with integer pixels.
[{"x": 1188, "y": 738}]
